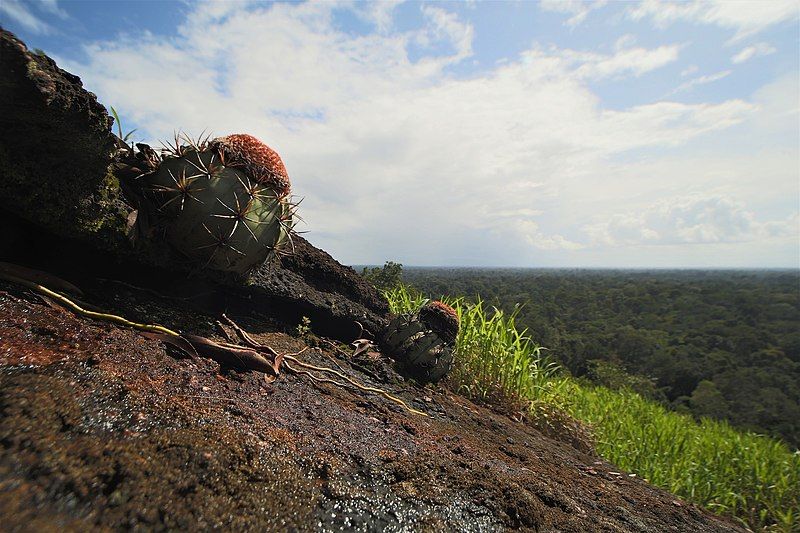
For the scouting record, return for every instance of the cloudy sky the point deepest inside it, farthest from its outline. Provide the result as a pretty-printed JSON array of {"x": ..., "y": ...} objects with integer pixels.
[{"x": 560, "y": 133}]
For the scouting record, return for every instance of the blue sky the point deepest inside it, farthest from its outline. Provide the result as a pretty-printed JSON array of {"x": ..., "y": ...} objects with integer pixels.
[{"x": 559, "y": 133}]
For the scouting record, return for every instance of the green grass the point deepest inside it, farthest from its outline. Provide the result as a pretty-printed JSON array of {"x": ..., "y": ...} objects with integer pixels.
[
  {"x": 495, "y": 361},
  {"x": 753, "y": 478}
]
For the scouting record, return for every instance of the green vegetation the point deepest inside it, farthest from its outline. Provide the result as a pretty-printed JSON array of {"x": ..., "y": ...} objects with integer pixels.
[
  {"x": 496, "y": 362},
  {"x": 724, "y": 344},
  {"x": 126, "y": 137},
  {"x": 751, "y": 477},
  {"x": 389, "y": 276}
]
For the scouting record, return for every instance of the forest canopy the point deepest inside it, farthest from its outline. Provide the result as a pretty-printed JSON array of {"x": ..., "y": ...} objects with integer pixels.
[{"x": 721, "y": 344}]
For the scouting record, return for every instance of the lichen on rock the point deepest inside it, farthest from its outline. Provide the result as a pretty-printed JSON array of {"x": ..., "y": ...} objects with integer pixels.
[{"x": 56, "y": 146}]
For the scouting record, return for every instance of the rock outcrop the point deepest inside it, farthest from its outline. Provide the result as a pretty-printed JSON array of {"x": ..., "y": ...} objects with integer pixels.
[
  {"x": 55, "y": 149},
  {"x": 103, "y": 428},
  {"x": 59, "y": 196}
]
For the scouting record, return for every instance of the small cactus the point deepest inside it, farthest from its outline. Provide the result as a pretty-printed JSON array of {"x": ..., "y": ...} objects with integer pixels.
[
  {"x": 221, "y": 203},
  {"x": 423, "y": 342}
]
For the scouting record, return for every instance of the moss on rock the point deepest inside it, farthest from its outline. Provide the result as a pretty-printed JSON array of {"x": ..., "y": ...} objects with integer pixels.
[{"x": 56, "y": 146}]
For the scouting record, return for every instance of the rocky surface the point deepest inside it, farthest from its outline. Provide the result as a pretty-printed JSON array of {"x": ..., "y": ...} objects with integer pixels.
[
  {"x": 102, "y": 428},
  {"x": 58, "y": 192},
  {"x": 309, "y": 282},
  {"x": 55, "y": 149}
]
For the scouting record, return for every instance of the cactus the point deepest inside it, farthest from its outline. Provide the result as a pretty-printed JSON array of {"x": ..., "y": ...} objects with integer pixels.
[
  {"x": 423, "y": 342},
  {"x": 222, "y": 203}
]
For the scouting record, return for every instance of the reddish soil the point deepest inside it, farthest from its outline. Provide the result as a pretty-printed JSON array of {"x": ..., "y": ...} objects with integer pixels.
[{"x": 102, "y": 428}]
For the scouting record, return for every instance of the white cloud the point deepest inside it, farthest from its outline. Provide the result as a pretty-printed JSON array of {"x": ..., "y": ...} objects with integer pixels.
[
  {"x": 673, "y": 124},
  {"x": 745, "y": 17},
  {"x": 446, "y": 27},
  {"x": 402, "y": 159},
  {"x": 624, "y": 61},
  {"x": 578, "y": 9},
  {"x": 779, "y": 102},
  {"x": 380, "y": 14},
  {"x": 21, "y": 14},
  {"x": 625, "y": 41},
  {"x": 691, "y": 69},
  {"x": 689, "y": 220},
  {"x": 701, "y": 80},
  {"x": 52, "y": 7},
  {"x": 637, "y": 61},
  {"x": 756, "y": 50},
  {"x": 521, "y": 225}
]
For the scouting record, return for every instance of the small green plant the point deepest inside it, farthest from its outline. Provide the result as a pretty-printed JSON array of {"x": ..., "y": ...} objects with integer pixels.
[
  {"x": 126, "y": 137},
  {"x": 304, "y": 327},
  {"x": 404, "y": 299}
]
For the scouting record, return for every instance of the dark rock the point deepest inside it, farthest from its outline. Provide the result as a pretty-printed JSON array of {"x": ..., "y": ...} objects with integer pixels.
[
  {"x": 309, "y": 282},
  {"x": 325, "y": 274},
  {"x": 55, "y": 149},
  {"x": 60, "y": 195},
  {"x": 62, "y": 199}
]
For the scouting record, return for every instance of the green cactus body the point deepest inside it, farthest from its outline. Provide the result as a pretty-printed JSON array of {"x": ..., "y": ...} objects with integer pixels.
[
  {"x": 213, "y": 213},
  {"x": 423, "y": 342}
]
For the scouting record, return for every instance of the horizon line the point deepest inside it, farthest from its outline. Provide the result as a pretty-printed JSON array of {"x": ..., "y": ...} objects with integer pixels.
[{"x": 706, "y": 268}]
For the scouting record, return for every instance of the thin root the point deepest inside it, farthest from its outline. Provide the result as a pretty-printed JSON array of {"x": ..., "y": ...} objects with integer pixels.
[
  {"x": 247, "y": 339},
  {"x": 279, "y": 359},
  {"x": 155, "y": 328},
  {"x": 354, "y": 383}
]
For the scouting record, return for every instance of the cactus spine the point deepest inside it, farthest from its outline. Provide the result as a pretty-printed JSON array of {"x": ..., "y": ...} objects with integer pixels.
[
  {"x": 423, "y": 342},
  {"x": 222, "y": 203}
]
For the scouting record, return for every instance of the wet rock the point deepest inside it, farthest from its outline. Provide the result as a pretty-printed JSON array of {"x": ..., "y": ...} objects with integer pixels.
[{"x": 146, "y": 441}]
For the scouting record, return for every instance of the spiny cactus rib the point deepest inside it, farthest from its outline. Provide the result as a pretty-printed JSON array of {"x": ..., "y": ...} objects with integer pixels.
[
  {"x": 239, "y": 215},
  {"x": 423, "y": 342},
  {"x": 425, "y": 346},
  {"x": 441, "y": 367},
  {"x": 222, "y": 203},
  {"x": 404, "y": 332},
  {"x": 181, "y": 187}
]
